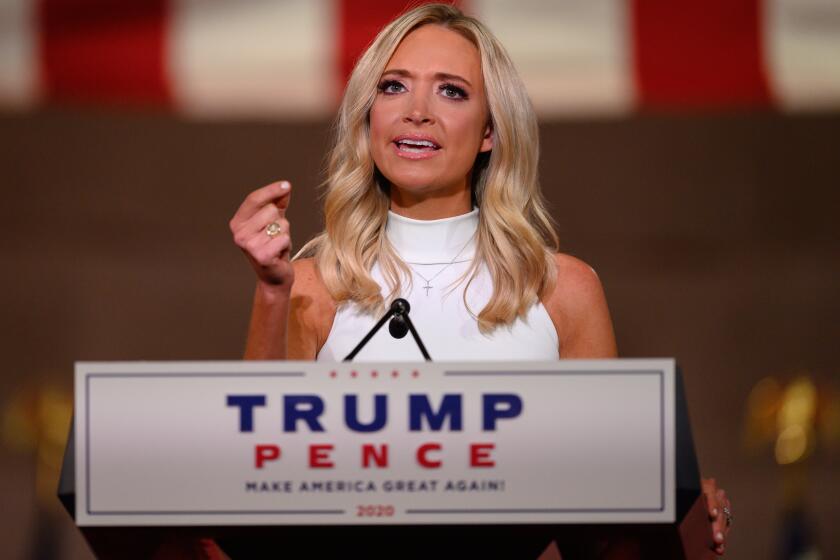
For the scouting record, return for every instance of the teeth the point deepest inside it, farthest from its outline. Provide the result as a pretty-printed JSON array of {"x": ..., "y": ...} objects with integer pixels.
[{"x": 425, "y": 143}]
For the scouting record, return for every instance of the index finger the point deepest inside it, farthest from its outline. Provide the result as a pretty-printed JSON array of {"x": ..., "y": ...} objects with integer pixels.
[
  {"x": 278, "y": 192},
  {"x": 282, "y": 202},
  {"x": 709, "y": 493}
]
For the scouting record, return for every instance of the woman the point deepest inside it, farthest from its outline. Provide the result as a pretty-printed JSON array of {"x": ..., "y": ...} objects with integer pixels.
[{"x": 432, "y": 195}]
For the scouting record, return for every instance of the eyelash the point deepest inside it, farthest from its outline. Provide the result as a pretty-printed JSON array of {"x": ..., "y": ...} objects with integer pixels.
[
  {"x": 383, "y": 87},
  {"x": 459, "y": 92},
  {"x": 451, "y": 87}
]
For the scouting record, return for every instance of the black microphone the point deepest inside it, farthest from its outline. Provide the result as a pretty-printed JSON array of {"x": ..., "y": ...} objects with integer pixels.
[{"x": 399, "y": 326}]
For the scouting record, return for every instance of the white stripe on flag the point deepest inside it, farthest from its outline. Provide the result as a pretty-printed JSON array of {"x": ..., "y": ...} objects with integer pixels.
[
  {"x": 19, "y": 75},
  {"x": 575, "y": 56},
  {"x": 252, "y": 59},
  {"x": 802, "y": 46}
]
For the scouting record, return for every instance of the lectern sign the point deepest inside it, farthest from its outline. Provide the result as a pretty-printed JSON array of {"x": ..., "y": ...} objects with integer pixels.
[{"x": 229, "y": 443}]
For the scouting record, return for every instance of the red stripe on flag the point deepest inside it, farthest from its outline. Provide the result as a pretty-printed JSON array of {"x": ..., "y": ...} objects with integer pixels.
[
  {"x": 699, "y": 53},
  {"x": 359, "y": 23},
  {"x": 104, "y": 50}
]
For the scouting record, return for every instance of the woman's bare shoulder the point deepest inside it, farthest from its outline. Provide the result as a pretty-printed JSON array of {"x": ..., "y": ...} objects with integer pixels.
[
  {"x": 312, "y": 311},
  {"x": 307, "y": 278},
  {"x": 578, "y": 308},
  {"x": 575, "y": 279}
]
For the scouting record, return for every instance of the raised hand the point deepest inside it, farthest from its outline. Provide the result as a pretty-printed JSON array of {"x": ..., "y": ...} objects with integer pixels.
[{"x": 261, "y": 230}]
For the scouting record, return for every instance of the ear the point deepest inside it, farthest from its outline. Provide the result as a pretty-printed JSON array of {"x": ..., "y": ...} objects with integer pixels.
[{"x": 487, "y": 141}]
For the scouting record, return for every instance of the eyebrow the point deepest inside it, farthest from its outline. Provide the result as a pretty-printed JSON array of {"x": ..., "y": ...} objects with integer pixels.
[{"x": 438, "y": 75}]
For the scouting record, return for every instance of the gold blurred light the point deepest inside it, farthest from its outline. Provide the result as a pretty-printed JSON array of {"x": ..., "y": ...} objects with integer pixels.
[
  {"x": 799, "y": 403},
  {"x": 792, "y": 416},
  {"x": 36, "y": 421},
  {"x": 765, "y": 398},
  {"x": 762, "y": 408},
  {"x": 791, "y": 445},
  {"x": 795, "y": 421}
]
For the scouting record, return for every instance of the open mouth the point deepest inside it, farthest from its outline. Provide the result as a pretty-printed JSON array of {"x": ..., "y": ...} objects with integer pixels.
[{"x": 414, "y": 146}]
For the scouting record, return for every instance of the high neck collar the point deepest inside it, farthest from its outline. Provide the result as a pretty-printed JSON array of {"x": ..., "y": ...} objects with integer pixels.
[{"x": 433, "y": 241}]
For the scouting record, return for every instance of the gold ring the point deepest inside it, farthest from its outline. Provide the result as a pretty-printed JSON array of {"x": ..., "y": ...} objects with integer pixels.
[{"x": 273, "y": 229}]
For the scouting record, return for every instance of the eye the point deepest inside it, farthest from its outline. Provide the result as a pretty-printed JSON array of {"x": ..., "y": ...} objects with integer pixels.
[
  {"x": 452, "y": 91},
  {"x": 390, "y": 87}
]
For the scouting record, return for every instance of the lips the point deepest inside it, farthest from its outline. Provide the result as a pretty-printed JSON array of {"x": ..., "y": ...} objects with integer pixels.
[{"x": 414, "y": 145}]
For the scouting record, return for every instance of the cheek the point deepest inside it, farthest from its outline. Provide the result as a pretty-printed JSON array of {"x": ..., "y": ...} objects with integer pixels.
[
  {"x": 380, "y": 117},
  {"x": 466, "y": 135},
  {"x": 377, "y": 134},
  {"x": 379, "y": 131}
]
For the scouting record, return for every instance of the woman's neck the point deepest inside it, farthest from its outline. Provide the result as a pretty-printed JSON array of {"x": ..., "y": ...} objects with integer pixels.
[
  {"x": 431, "y": 207},
  {"x": 433, "y": 241}
]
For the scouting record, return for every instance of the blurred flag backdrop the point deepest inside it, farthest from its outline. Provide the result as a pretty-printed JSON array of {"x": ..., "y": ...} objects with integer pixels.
[{"x": 289, "y": 58}]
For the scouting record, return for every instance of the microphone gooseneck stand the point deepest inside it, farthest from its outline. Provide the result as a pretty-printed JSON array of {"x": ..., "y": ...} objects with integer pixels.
[{"x": 399, "y": 326}]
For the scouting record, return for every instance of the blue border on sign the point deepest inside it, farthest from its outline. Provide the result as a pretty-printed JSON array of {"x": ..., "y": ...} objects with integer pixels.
[
  {"x": 91, "y": 512},
  {"x": 455, "y": 373}
]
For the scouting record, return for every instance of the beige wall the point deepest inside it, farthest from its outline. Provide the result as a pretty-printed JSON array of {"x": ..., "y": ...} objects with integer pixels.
[{"x": 716, "y": 238}]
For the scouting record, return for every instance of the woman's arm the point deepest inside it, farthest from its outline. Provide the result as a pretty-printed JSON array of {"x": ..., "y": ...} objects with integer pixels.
[
  {"x": 311, "y": 312},
  {"x": 292, "y": 325},
  {"x": 268, "y": 328},
  {"x": 267, "y": 250},
  {"x": 291, "y": 307},
  {"x": 578, "y": 308}
]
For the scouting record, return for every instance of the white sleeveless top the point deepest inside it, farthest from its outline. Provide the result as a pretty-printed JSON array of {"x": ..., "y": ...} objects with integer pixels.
[{"x": 439, "y": 252}]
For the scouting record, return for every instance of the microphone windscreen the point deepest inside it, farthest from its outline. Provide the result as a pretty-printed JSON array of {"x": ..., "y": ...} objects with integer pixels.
[{"x": 398, "y": 327}]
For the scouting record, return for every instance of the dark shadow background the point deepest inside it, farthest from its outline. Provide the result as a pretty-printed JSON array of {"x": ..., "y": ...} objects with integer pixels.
[{"x": 715, "y": 236}]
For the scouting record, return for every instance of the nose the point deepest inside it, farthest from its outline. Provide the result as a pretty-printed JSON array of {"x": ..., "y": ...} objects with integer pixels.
[{"x": 418, "y": 111}]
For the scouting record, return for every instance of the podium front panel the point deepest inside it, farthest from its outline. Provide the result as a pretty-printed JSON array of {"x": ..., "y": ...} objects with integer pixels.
[{"x": 303, "y": 443}]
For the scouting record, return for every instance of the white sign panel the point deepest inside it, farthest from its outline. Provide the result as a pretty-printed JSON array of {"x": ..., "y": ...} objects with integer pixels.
[{"x": 267, "y": 443}]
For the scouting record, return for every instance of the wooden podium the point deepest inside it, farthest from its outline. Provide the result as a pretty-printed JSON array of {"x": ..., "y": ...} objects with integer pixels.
[{"x": 114, "y": 530}]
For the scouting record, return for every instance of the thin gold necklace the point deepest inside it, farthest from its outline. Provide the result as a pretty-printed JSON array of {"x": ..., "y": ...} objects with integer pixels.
[{"x": 428, "y": 281}]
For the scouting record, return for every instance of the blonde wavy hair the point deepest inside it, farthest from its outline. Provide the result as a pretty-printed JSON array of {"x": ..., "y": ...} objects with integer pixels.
[{"x": 516, "y": 237}]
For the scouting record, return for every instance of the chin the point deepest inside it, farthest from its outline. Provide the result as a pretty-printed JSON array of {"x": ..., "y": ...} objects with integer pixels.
[
  {"x": 415, "y": 184},
  {"x": 411, "y": 180}
]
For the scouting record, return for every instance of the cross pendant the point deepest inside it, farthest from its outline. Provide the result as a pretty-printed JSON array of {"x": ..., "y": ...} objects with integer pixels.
[{"x": 427, "y": 287}]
